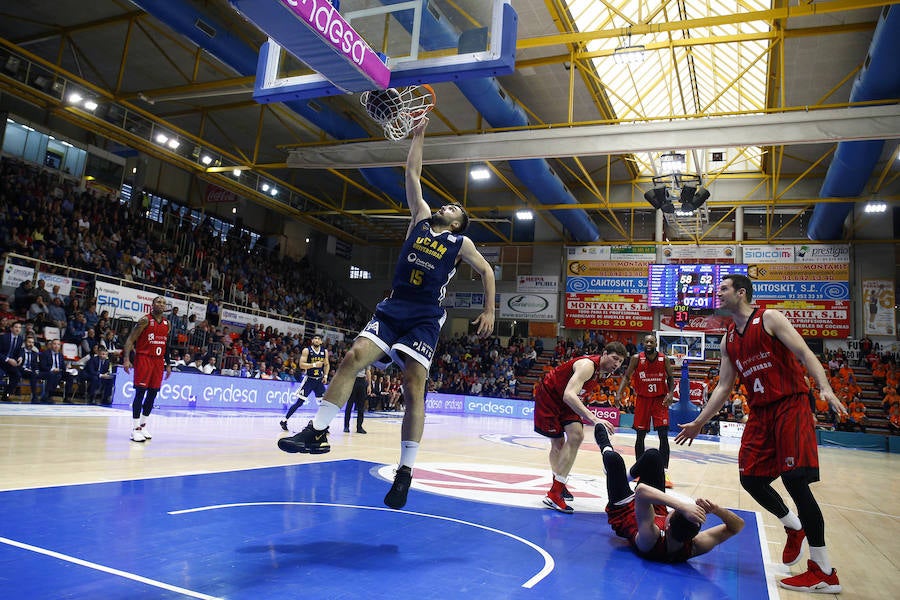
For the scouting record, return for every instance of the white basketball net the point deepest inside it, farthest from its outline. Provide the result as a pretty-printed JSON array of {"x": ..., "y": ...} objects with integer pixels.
[
  {"x": 679, "y": 359},
  {"x": 398, "y": 110}
]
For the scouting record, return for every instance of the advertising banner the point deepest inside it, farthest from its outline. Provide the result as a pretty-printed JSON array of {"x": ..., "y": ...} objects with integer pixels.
[
  {"x": 802, "y": 290},
  {"x": 588, "y": 252},
  {"x": 539, "y": 307},
  {"x": 499, "y": 407},
  {"x": 767, "y": 254},
  {"x": 608, "y": 311},
  {"x": 730, "y": 429},
  {"x": 704, "y": 254},
  {"x": 799, "y": 272},
  {"x": 647, "y": 253},
  {"x": 822, "y": 253},
  {"x": 548, "y": 284},
  {"x": 444, "y": 403},
  {"x": 698, "y": 392},
  {"x": 126, "y": 302},
  {"x": 595, "y": 268},
  {"x": 709, "y": 323},
  {"x": 196, "y": 390},
  {"x": 878, "y": 301},
  {"x": 243, "y": 320},
  {"x": 610, "y": 413},
  {"x": 814, "y": 319},
  {"x": 607, "y": 285},
  {"x": 464, "y": 300},
  {"x": 13, "y": 275}
]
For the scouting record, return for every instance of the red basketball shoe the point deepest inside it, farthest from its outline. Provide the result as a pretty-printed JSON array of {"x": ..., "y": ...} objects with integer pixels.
[
  {"x": 794, "y": 546},
  {"x": 813, "y": 580}
]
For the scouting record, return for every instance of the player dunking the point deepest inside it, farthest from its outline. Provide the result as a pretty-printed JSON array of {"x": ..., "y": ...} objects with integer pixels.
[
  {"x": 151, "y": 357},
  {"x": 641, "y": 516},
  {"x": 406, "y": 325},
  {"x": 315, "y": 361},
  {"x": 779, "y": 439},
  {"x": 651, "y": 378}
]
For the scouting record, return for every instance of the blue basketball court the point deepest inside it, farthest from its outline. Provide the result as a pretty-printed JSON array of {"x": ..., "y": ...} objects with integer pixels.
[{"x": 321, "y": 530}]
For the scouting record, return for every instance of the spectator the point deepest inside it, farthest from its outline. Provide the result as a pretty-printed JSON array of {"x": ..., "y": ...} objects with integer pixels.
[{"x": 210, "y": 367}]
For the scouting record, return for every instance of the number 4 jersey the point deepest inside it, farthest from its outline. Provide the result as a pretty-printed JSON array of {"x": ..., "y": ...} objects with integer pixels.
[{"x": 768, "y": 369}]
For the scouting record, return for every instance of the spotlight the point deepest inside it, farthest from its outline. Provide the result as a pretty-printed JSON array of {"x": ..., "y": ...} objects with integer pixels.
[
  {"x": 173, "y": 144},
  {"x": 206, "y": 159},
  {"x": 161, "y": 138},
  {"x": 236, "y": 172},
  {"x": 524, "y": 215},
  {"x": 265, "y": 187},
  {"x": 75, "y": 98},
  {"x": 625, "y": 55},
  {"x": 693, "y": 198},
  {"x": 274, "y": 191},
  {"x": 659, "y": 199},
  {"x": 90, "y": 105}
]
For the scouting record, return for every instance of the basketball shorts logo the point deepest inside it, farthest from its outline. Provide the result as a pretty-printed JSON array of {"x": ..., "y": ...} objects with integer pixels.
[
  {"x": 789, "y": 462},
  {"x": 372, "y": 326}
]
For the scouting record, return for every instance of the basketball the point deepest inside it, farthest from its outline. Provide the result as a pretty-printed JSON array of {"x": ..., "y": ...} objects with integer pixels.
[{"x": 383, "y": 105}]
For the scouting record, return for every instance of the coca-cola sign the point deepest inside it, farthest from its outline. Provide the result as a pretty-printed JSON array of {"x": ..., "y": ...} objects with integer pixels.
[{"x": 216, "y": 195}]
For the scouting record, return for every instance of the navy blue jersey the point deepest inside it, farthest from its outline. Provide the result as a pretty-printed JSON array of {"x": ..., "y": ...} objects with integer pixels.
[
  {"x": 426, "y": 264},
  {"x": 315, "y": 356}
]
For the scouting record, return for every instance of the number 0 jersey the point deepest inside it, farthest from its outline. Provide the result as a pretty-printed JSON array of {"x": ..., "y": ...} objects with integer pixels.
[
  {"x": 152, "y": 340},
  {"x": 426, "y": 264},
  {"x": 768, "y": 369}
]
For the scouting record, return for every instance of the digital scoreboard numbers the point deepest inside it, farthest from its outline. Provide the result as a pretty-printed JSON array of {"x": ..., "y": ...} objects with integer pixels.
[
  {"x": 693, "y": 286},
  {"x": 661, "y": 286},
  {"x": 697, "y": 286}
]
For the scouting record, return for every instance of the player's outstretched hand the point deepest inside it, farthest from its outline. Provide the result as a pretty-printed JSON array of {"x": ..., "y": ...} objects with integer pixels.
[
  {"x": 485, "y": 322},
  {"x": 610, "y": 428},
  {"x": 688, "y": 432},
  {"x": 420, "y": 127}
]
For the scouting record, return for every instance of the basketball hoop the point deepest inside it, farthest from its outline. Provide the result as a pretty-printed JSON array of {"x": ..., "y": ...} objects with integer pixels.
[
  {"x": 399, "y": 110},
  {"x": 678, "y": 357}
]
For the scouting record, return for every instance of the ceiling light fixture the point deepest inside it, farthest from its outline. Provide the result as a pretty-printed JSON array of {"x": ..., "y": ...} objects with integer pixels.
[
  {"x": 629, "y": 55},
  {"x": 206, "y": 159},
  {"x": 875, "y": 207},
  {"x": 480, "y": 174},
  {"x": 524, "y": 215}
]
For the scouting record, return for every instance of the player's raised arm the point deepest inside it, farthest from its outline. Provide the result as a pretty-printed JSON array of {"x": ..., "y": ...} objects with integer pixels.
[
  {"x": 472, "y": 257},
  {"x": 418, "y": 208}
]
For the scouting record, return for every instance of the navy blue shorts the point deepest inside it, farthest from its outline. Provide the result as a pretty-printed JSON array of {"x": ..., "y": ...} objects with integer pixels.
[
  {"x": 312, "y": 385},
  {"x": 403, "y": 326}
]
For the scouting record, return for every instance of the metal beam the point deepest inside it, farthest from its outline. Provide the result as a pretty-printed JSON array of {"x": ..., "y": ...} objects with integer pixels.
[{"x": 824, "y": 126}]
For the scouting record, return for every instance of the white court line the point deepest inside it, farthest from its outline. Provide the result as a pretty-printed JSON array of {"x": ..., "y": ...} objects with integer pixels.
[
  {"x": 764, "y": 551},
  {"x": 110, "y": 570},
  {"x": 549, "y": 563}
]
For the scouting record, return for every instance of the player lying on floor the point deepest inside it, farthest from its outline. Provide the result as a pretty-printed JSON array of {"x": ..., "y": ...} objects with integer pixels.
[{"x": 642, "y": 516}]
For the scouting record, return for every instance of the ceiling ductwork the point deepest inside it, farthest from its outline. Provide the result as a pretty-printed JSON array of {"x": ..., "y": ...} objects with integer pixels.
[
  {"x": 215, "y": 38},
  {"x": 854, "y": 162},
  {"x": 498, "y": 109}
]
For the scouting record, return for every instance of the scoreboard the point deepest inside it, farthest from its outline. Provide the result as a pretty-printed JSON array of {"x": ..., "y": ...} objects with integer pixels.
[{"x": 693, "y": 286}]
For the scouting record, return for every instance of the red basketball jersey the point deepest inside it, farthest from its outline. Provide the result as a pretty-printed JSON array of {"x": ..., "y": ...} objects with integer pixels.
[
  {"x": 556, "y": 380},
  {"x": 649, "y": 377},
  {"x": 769, "y": 370},
  {"x": 152, "y": 340}
]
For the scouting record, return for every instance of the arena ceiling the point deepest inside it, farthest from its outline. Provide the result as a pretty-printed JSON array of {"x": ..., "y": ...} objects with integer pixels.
[{"x": 705, "y": 62}]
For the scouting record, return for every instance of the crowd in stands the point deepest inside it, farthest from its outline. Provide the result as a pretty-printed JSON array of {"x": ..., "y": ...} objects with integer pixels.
[{"x": 44, "y": 216}]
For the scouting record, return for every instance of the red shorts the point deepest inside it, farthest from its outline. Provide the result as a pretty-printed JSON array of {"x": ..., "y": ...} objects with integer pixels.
[
  {"x": 778, "y": 438},
  {"x": 551, "y": 415},
  {"x": 645, "y": 408},
  {"x": 148, "y": 371}
]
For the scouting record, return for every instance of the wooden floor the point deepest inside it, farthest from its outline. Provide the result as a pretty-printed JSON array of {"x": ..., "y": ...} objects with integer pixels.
[{"x": 67, "y": 445}]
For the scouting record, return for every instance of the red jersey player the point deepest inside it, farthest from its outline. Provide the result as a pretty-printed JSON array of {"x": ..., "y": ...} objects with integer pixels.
[
  {"x": 558, "y": 411},
  {"x": 642, "y": 516},
  {"x": 651, "y": 378},
  {"x": 149, "y": 338},
  {"x": 779, "y": 439}
]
